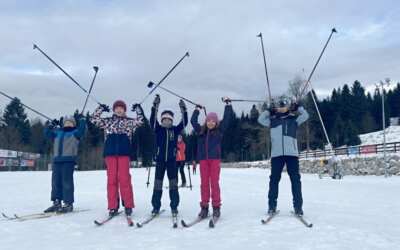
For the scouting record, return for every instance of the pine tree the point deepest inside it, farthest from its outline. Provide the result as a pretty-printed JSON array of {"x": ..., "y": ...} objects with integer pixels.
[{"x": 15, "y": 117}]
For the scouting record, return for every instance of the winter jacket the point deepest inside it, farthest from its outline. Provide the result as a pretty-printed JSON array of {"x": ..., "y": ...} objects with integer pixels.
[
  {"x": 283, "y": 131},
  {"x": 166, "y": 138},
  {"x": 180, "y": 153},
  {"x": 209, "y": 141},
  {"x": 118, "y": 132},
  {"x": 65, "y": 148}
]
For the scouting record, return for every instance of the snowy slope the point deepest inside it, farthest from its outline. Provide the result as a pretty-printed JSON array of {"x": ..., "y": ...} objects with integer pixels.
[
  {"x": 355, "y": 213},
  {"x": 392, "y": 135}
]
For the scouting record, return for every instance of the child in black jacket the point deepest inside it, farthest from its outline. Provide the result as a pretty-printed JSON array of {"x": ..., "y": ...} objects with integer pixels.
[{"x": 166, "y": 141}]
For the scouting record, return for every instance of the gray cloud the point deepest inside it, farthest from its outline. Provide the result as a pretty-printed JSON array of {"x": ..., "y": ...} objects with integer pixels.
[{"x": 135, "y": 41}]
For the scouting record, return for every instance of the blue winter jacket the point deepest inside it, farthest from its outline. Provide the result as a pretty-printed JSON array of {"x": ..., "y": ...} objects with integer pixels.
[
  {"x": 166, "y": 138},
  {"x": 209, "y": 141},
  {"x": 66, "y": 144},
  {"x": 283, "y": 131}
]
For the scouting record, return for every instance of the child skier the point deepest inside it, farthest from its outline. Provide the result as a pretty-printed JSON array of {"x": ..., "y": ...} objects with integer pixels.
[
  {"x": 284, "y": 121},
  {"x": 209, "y": 155},
  {"x": 181, "y": 158},
  {"x": 166, "y": 140},
  {"x": 65, "y": 152},
  {"x": 119, "y": 130}
]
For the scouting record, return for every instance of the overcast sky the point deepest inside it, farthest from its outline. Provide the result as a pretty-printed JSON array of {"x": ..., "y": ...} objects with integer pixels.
[{"x": 134, "y": 42}]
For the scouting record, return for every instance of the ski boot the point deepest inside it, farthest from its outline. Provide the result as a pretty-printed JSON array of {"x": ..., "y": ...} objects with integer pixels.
[
  {"x": 298, "y": 212},
  {"x": 54, "y": 208},
  {"x": 112, "y": 212},
  {"x": 203, "y": 212},
  {"x": 66, "y": 208},
  {"x": 271, "y": 211},
  {"x": 128, "y": 211},
  {"x": 155, "y": 211},
  {"x": 174, "y": 212},
  {"x": 216, "y": 212},
  {"x": 183, "y": 185}
]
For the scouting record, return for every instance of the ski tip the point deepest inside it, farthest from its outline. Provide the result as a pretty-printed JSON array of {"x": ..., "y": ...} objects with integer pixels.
[
  {"x": 211, "y": 224},
  {"x": 97, "y": 223},
  {"x": 183, "y": 223}
]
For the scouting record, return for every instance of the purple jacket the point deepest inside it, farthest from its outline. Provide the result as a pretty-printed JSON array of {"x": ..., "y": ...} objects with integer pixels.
[{"x": 209, "y": 141}]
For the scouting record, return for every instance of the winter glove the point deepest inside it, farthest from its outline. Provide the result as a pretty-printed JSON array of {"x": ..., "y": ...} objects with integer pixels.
[
  {"x": 136, "y": 107},
  {"x": 294, "y": 107},
  {"x": 226, "y": 100},
  {"x": 272, "y": 110},
  {"x": 54, "y": 123},
  {"x": 199, "y": 107},
  {"x": 105, "y": 107},
  {"x": 264, "y": 107},
  {"x": 156, "y": 102},
  {"x": 182, "y": 106}
]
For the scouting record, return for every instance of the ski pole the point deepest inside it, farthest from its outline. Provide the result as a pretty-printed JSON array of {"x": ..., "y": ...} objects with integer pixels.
[
  {"x": 243, "y": 100},
  {"x": 26, "y": 106},
  {"x": 151, "y": 84},
  {"x": 316, "y": 64},
  {"x": 148, "y": 176},
  {"x": 96, "y": 69},
  {"x": 190, "y": 178},
  {"x": 265, "y": 66},
  {"x": 183, "y": 98},
  {"x": 65, "y": 72}
]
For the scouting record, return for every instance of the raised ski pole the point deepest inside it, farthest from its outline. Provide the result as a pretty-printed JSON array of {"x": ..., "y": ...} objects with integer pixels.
[
  {"x": 151, "y": 84},
  {"x": 265, "y": 67},
  {"x": 243, "y": 100},
  {"x": 96, "y": 69},
  {"x": 316, "y": 64},
  {"x": 65, "y": 72},
  {"x": 26, "y": 106}
]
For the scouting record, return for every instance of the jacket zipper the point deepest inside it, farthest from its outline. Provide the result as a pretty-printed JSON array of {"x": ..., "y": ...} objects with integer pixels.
[
  {"x": 208, "y": 132},
  {"x": 61, "y": 144},
  {"x": 166, "y": 150},
  {"x": 283, "y": 134}
]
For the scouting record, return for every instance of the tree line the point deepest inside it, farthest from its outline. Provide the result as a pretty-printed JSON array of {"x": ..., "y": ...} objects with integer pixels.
[{"x": 347, "y": 112}]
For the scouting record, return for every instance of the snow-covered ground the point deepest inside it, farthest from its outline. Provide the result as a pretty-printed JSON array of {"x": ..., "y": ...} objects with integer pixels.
[
  {"x": 392, "y": 135},
  {"x": 354, "y": 213}
]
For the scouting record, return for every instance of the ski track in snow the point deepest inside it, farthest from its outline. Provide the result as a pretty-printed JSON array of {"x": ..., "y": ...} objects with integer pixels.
[{"x": 354, "y": 213}]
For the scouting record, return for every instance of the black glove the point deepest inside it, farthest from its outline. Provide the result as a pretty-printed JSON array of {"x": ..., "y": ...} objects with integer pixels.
[
  {"x": 272, "y": 110},
  {"x": 55, "y": 123},
  {"x": 156, "y": 102},
  {"x": 105, "y": 107},
  {"x": 264, "y": 107},
  {"x": 294, "y": 107},
  {"x": 226, "y": 100},
  {"x": 199, "y": 107},
  {"x": 136, "y": 107},
  {"x": 182, "y": 105}
]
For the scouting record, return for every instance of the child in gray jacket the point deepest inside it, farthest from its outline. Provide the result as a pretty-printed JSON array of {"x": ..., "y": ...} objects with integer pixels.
[{"x": 283, "y": 119}]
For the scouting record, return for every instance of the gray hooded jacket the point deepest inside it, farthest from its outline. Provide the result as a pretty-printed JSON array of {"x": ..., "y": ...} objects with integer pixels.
[{"x": 283, "y": 131}]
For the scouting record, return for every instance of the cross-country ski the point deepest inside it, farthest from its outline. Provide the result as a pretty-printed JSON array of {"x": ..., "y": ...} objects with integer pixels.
[
  {"x": 107, "y": 219},
  {"x": 150, "y": 218},
  {"x": 270, "y": 216}
]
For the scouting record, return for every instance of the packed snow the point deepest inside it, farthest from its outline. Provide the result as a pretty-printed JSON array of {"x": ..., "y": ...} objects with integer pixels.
[
  {"x": 392, "y": 135},
  {"x": 353, "y": 213}
]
